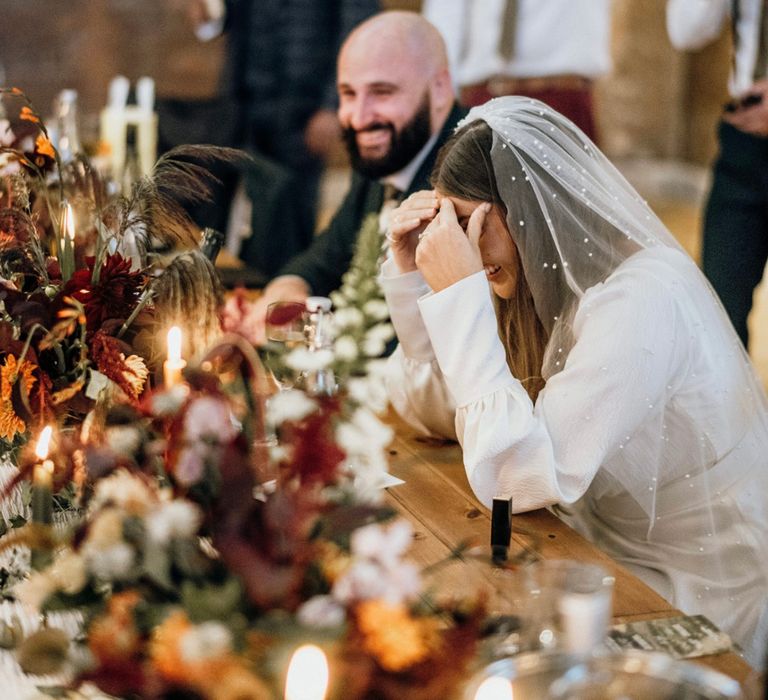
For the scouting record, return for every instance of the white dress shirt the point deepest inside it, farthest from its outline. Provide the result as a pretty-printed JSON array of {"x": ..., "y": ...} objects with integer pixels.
[
  {"x": 552, "y": 37},
  {"x": 692, "y": 24}
]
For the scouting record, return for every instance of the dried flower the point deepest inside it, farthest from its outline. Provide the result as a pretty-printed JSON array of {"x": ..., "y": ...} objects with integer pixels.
[
  {"x": 44, "y": 146},
  {"x": 14, "y": 376},
  {"x": 395, "y": 638}
]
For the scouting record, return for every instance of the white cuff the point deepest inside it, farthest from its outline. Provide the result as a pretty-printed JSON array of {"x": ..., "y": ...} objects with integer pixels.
[
  {"x": 402, "y": 291},
  {"x": 462, "y": 327}
]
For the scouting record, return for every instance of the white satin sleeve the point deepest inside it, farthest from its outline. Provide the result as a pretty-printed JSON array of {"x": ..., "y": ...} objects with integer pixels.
[
  {"x": 616, "y": 373},
  {"x": 692, "y": 24},
  {"x": 415, "y": 385}
]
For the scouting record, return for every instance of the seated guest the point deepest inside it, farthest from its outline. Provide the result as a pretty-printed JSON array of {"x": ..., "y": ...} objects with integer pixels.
[
  {"x": 549, "y": 320},
  {"x": 396, "y": 108}
]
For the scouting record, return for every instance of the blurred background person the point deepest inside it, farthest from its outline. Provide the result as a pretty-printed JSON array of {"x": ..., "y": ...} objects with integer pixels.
[
  {"x": 551, "y": 51},
  {"x": 279, "y": 75},
  {"x": 735, "y": 236}
]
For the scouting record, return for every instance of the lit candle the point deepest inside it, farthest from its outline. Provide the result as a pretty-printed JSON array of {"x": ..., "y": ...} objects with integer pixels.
[
  {"x": 307, "y": 674},
  {"x": 42, "y": 480},
  {"x": 67, "y": 243},
  {"x": 173, "y": 365},
  {"x": 495, "y": 688}
]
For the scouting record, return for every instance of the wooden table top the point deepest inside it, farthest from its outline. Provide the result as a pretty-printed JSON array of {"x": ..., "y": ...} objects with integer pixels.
[{"x": 439, "y": 502}]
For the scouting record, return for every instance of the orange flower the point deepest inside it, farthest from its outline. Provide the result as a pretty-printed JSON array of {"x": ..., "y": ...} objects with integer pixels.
[
  {"x": 44, "y": 146},
  {"x": 393, "y": 636},
  {"x": 28, "y": 115},
  {"x": 11, "y": 372},
  {"x": 114, "y": 637},
  {"x": 229, "y": 680},
  {"x": 165, "y": 649}
]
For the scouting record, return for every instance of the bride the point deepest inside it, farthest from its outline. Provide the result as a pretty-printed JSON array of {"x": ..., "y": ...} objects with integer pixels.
[{"x": 549, "y": 321}]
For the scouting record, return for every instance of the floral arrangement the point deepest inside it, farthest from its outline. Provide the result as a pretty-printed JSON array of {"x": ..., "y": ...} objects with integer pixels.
[
  {"x": 224, "y": 525},
  {"x": 81, "y": 300}
]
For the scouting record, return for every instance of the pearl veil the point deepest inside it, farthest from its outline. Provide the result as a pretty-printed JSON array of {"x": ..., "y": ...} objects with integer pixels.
[{"x": 694, "y": 480}]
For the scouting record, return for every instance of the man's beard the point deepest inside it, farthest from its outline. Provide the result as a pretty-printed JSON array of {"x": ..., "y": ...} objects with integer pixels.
[{"x": 403, "y": 145}]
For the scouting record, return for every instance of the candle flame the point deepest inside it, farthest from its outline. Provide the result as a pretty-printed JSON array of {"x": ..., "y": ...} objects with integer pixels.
[
  {"x": 174, "y": 344},
  {"x": 41, "y": 449},
  {"x": 495, "y": 688},
  {"x": 69, "y": 219},
  {"x": 307, "y": 674}
]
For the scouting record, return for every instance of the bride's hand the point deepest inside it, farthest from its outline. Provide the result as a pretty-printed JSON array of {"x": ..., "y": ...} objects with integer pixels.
[
  {"x": 406, "y": 223},
  {"x": 446, "y": 253}
]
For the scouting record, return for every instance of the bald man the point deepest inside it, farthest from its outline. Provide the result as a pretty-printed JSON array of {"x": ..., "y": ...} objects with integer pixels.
[{"x": 396, "y": 108}]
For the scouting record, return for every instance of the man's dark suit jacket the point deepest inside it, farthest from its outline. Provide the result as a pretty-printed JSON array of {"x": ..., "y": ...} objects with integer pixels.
[{"x": 324, "y": 263}]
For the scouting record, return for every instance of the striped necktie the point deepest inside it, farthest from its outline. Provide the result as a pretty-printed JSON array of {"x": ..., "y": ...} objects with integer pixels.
[{"x": 508, "y": 29}]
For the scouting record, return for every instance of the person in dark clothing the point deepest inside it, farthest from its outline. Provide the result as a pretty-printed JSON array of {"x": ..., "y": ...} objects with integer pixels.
[
  {"x": 279, "y": 76},
  {"x": 396, "y": 108}
]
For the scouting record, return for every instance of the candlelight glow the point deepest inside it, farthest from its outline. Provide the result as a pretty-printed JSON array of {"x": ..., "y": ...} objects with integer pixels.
[
  {"x": 43, "y": 442},
  {"x": 69, "y": 225},
  {"x": 174, "y": 344},
  {"x": 307, "y": 674},
  {"x": 495, "y": 688}
]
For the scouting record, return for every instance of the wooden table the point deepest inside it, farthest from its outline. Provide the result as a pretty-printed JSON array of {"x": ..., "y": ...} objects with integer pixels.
[{"x": 439, "y": 502}]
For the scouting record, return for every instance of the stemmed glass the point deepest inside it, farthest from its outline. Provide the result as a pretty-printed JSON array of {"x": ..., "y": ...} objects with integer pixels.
[{"x": 286, "y": 327}]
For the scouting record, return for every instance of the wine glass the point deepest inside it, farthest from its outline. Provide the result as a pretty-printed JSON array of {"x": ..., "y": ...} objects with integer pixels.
[{"x": 285, "y": 329}]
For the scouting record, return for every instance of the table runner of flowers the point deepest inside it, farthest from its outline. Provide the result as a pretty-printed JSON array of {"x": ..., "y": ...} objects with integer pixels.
[{"x": 214, "y": 525}]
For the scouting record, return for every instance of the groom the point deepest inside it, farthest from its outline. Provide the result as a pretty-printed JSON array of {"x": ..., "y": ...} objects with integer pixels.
[{"x": 396, "y": 108}]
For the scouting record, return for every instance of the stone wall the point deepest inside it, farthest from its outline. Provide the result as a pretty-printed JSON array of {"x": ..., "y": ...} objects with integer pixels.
[{"x": 657, "y": 103}]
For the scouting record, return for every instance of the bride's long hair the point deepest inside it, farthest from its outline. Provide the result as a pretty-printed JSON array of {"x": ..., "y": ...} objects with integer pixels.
[{"x": 463, "y": 169}]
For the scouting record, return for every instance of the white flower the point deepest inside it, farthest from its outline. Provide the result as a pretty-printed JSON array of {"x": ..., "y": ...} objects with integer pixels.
[
  {"x": 168, "y": 402},
  {"x": 351, "y": 439},
  {"x": 376, "y": 309},
  {"x": 205, "y": 641},
  {"x": 367, "y": 485},
  {"x": 123, "y": 439},
  {"x": 385, "y": 545},
  {"x": 210, "y": 418},
  {"x": 361, "y": 581},
  {"x": 369, "y": 391},
  {"x": 379, "y": 435},
  {"x": 368, "y": 580},
  {"x": 110, "y": 564},
  {"x": 124, "y": 490},
  {"x": 345, "y": 348},
  {"x": 9, "y": 165},
  {"x": 321, "y": 611},
  {"x": 290, "y": 405},
  {"x": 404, "y": 583},
  {"x": 306, "y": 360},
  {"x": 377, "y": 338},
  {"x": 173, "y": 520},
  {"x": 6, "y": 133},
  {"x": 69, "y": 572},
  {"x": 348, "y": 317},
  {"x": 338, "y": 299}
]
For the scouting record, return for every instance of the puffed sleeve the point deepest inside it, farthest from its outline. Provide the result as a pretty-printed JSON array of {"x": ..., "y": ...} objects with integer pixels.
[
  {"x": 617, "y": 371},
  {"x": 692, "y": 24},
  {"x": 415, "y": 384}
]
